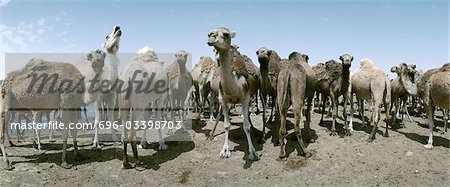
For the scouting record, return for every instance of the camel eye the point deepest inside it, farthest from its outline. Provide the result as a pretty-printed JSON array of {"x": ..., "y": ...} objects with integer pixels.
[
  {"x": 226, "y": 34},
  {"x": 107, "y": 36}
]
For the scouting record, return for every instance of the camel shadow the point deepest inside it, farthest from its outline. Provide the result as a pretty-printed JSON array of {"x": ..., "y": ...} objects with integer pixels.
[
  {"x": 176, "y": 148},
  {"x": 86, "y": 156},
  {"x": 437, "y": 140}
]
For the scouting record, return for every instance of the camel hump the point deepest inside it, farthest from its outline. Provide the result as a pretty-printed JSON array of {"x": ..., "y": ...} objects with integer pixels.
[{"x": 242, "y": 65}]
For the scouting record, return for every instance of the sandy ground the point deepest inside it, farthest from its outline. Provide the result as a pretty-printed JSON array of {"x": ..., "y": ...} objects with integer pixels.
[{"x": 398, "y": 160}]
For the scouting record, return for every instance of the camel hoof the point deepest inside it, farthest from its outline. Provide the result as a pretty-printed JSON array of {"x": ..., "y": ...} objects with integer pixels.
[
  {"x": 311, "y": 140},
  {"x": 261, "y": 141},
  {"x": 386, "y": 134},
  {"x": 126, "y": 166},
  {"x": 225, "y": 153},
  {"x": 369, "y": 140},
  {"x": 8, "y": 167},
  {"x": 307, "y": 155},
  {"x": 163, "y": 147},
  {"x": 282, "y": 158},
  {"x": 333, "y": 133},
  {"x": 428, "y": 146},
  {"x": 65, "y": 165},
  {"x": 348, "y": 133},
  {"x": 253, "y": 156},
  {"x": 210, "y": 137},
  {"x": 144, "y": 145},
  {"x": 96, "y": 148},
  {"x": 117, "y": 143}
]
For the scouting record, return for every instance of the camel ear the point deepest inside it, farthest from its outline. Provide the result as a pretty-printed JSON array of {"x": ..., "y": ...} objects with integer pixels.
[
  {"x": 307, "y": 58},
  {"x": 257, "y": 52},
  {"x": 340, "y": 58},
  {"x": 352, "y": 59},
  {"x": 269, "y": 52},
  {"x": 89, "y": 56},
  {"x": 232, "y": 34},
  {"x": 394, "y": 69}
]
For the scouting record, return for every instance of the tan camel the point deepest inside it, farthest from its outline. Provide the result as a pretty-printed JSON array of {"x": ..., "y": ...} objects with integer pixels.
[
  {"x": 292, "y": 87},
  {"x": 207, "y": 69},
  {"x": 147, "y": 82},
  {"x": 372, "y": 84},
  {"x": 434, "y": 90},
  {"x": 30, "y": 88},
  {"x": 334, "y": 82},
  {"x": 180, "y": 81},
  {"x": 401, "y": 88},
  {"x": 269, "y": 63},
  {"x": 238, "y": 82}
]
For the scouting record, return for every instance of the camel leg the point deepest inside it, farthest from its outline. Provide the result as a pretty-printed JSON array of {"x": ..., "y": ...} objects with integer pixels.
[
  {"x": 271, "y": 110},
  {"x": 407, "y": 114},
  {"x": 386, "y": 102},
  {"x": 37, "y": 119},
  {"x": 159, "y": 110},
  {"x": 361, "y": 112},
  {"x": 344, "y": 113},
  {"x": 6, "y": 165},
  {"x": 98, "y": 108},
  {"x": 350, "y": 123},
  {"x": 65, "y": 121},
  {"x": 323, "y": 110},
  {"x": 334, "y": 107},
  {"x": 445, "y": 113},
  {"x": 282, "y": 130},
  {"x": 263, "y": 100},
  {"x": 111, "y": 103},
  {"x": 298, "y": 115},
  {"x": 429, "y": 145},
  {"x": 245, "y": 111},
  {"x": 211, "y": 134},
  {"x": 124, "y": 114},
  {"x": 308, "y": 119},
  {"x": 376, "y": 115},
  {"x": 53, "y": 120},
  {"x": 225, "y": 153}
]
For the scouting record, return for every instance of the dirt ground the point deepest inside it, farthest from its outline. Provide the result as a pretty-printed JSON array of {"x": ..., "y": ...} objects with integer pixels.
[{"x": 398, "y": 160}]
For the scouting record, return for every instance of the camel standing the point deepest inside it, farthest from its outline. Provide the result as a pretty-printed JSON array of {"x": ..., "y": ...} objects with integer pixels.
[
  {"x": 401, "y": 88},
  {"x": 92, "y": 70},
  {"x": 180, "y": 81},
  {"x": 147, "y": 82},
  {"x": 269, "y": 68},
  {"x": 294, "y": 86},
  {"x": 434, "y": 90},
  {"x": 207, "y": 69},
  {"x": 238, "y": 81},
  {"x": 20, "y": 90},
  {"x": 334, "y": 82},
  {"x": 372, "y": 84}
]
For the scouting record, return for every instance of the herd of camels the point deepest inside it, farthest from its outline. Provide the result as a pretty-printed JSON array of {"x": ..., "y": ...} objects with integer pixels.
[{"x": 232, "y": 78}]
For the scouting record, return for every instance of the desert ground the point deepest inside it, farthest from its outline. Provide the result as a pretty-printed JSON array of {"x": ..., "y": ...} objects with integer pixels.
[{"x": 397, "y": 160}]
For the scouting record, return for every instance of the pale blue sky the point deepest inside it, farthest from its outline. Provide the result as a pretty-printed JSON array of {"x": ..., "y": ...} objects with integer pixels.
[{"x": 389, "y": 32}]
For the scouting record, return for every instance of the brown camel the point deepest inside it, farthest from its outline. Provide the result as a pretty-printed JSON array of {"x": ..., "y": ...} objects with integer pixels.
[
  {"x": 237, "y": 83},
  {"x": 372, "y": 84},
  {"x": 25, "y": 89},
  {"x": 334, "y": 82},
  {"x": 434, "y": 90},
  {"x": 269, "y": 63},
  {"x": 293, "y": 88}
]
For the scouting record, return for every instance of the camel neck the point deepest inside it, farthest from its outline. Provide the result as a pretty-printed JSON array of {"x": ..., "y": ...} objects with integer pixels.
[
  {"x": 113, "y": 64},
  {"x": 228, "y": 80}
]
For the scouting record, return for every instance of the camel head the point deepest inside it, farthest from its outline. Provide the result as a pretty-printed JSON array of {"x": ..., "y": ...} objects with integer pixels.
[
  {"x": 263, "y": 55},
  {"x": 97, "y": 58},
  {"x": 296, "y": 56},
  {"x": 220, "y": 38},
  {"x": 181, "y": 57},
  {"x": 406, "y": 74},
  {"x": 346, "y": 60},
  {"x": 112, "y": 40}
]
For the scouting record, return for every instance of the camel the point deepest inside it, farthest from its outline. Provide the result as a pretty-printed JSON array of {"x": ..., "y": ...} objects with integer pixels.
[
  {"x": 207, "y": 69},
  {"x": 372, "y": 84},
  {"x": 334, "y": 82},
  {"x": 195, "y": 91},
  {"x": 269, "y": 63},
  {"x": 30, "y": 88},
  {"x": 238, "y": 81},
  {"x": 401, "y": 88},
  {"x": 180, "y": 82},
  {"x": 294, "y": 87},
  {"x": 434, "y": 90},
  {"x": 110, "y": 73},
  {"x": 136, "y": 99}
]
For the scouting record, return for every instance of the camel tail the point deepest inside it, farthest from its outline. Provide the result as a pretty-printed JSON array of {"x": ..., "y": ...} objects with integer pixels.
[{"x": 286, "y": 89}]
